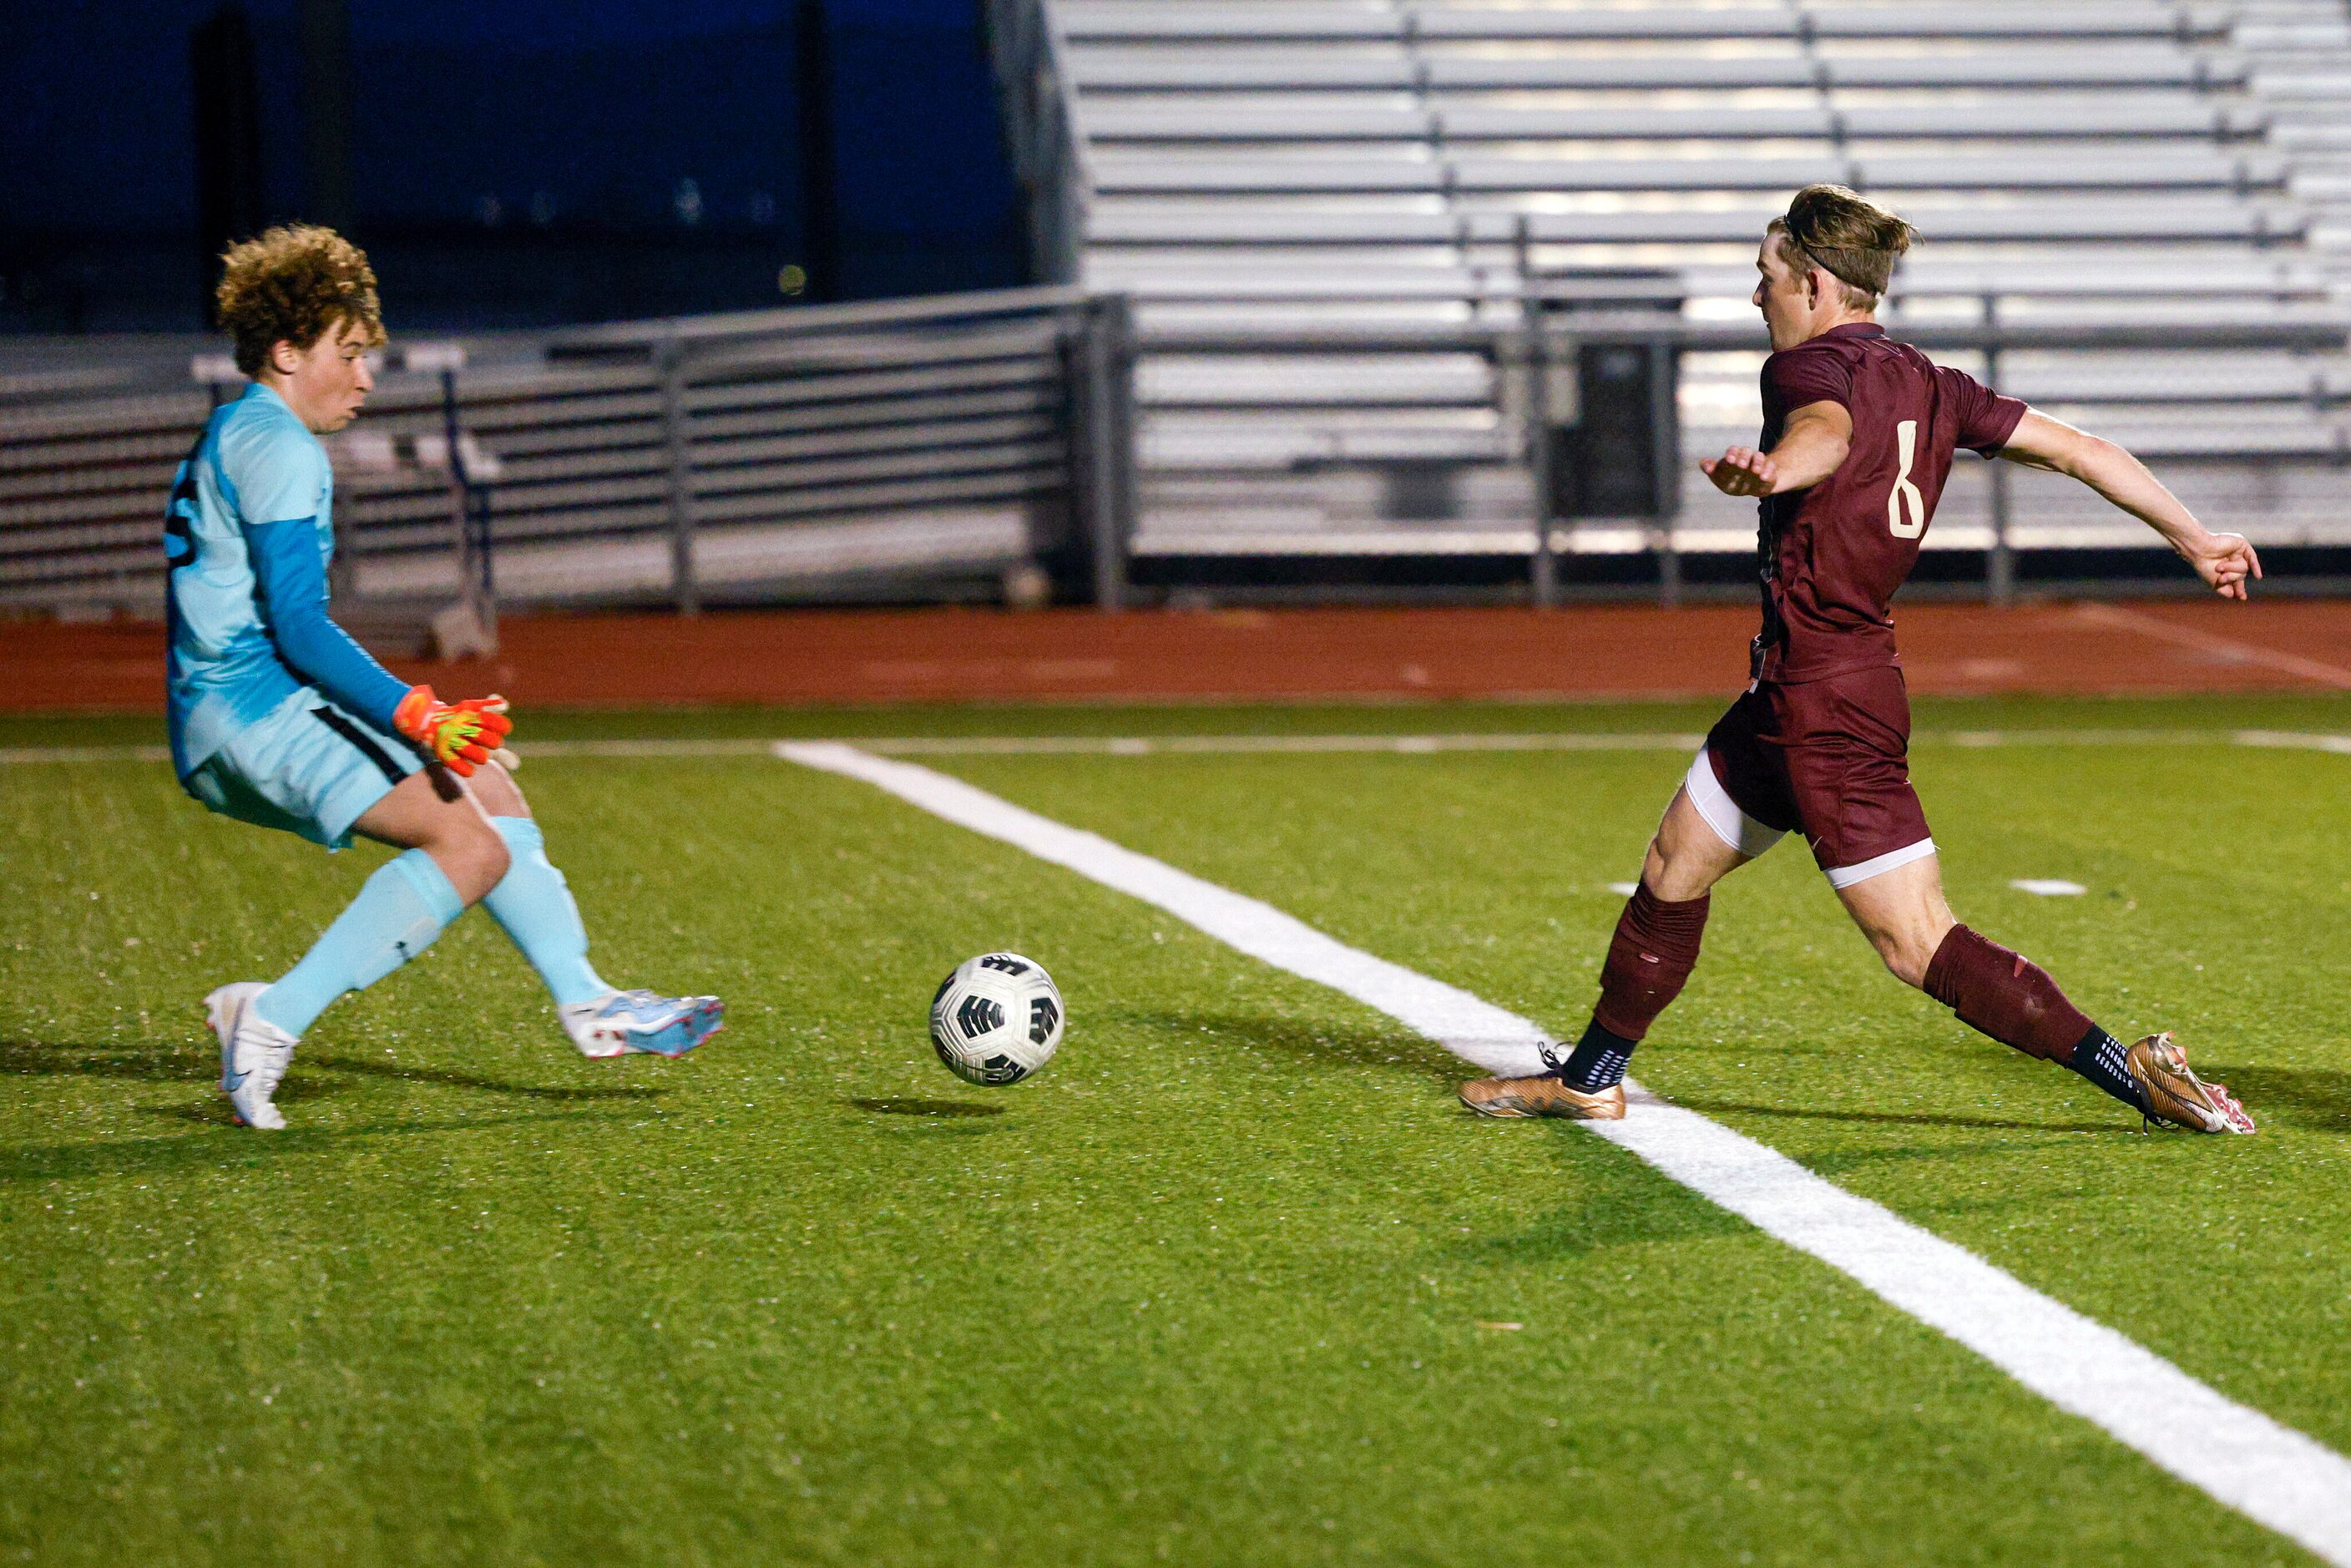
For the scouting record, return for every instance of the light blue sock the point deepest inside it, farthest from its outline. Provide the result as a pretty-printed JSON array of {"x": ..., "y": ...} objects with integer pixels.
[
  {"x": 534, "y": 903},
  {"x": 405, "y": 905}
]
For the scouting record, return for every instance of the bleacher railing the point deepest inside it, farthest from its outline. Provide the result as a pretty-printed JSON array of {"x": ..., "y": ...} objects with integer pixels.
[
  {"x": 759, "y": 456},
  {"x": 819, "y": 452},
  {"x": 1526, "y": 353}
]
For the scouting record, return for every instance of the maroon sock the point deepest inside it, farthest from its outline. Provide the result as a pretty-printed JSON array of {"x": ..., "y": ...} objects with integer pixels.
[
  {"x": 2006, "y": 995},
  {"x": 1655, "y": 947}
]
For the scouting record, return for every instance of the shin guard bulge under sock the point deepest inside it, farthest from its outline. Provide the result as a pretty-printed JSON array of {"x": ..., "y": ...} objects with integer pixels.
[
  {"x": 2006, "y": 995},
  {"x": 533, "y": 904},
  {"x": 399, "y": 911},
  {"x": 1649, "y": 960}
]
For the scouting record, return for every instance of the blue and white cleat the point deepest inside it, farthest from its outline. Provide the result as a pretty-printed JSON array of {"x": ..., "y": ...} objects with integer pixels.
[
  {"x": 253, "y": 1054},
  {"x": 620, "y": 1022}
]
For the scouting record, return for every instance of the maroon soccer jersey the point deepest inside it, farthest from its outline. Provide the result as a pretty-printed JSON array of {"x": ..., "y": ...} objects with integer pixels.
[{"x": 1834, "y": 555}]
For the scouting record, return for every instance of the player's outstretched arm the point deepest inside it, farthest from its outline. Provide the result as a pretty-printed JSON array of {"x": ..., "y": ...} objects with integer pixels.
[
  {"x": 2225, "y": 561},
  {"x": 1812, "y": 446},
  {"x": 288, "y": 568}
]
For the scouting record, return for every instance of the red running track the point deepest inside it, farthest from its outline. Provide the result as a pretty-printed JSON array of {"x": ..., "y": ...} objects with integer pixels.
[{"x": 1073, "y": 656}]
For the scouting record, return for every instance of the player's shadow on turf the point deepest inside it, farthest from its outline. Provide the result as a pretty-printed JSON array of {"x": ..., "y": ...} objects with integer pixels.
[
  {"x": 1612, "y": 1202},
  {"x": 2314, "y": 1097},
  {"x": 196, "y": 1152},
  {"x": 910, "y": 1106},
  {"x": 152, "y": 1065},
  {"x": 197, "y": 1064},
  {"x": 1348, "y": 1046},
  {"x": 1902, "y": 1118},
  {"x": 146, "y": 1064},
  {"x": 448, "y": 1080}
]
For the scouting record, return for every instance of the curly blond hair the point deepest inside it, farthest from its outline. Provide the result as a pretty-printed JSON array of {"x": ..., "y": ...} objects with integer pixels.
[
  {"x": 1846, "y": 235},
  {"x": 293, "y": 285}
]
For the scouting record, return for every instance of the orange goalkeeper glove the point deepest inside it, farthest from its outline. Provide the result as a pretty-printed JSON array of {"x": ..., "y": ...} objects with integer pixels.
[{"x": 461, "y": 735}]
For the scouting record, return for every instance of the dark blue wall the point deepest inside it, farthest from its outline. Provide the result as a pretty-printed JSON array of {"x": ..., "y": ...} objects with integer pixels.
[{"x": 519, "y": 163}]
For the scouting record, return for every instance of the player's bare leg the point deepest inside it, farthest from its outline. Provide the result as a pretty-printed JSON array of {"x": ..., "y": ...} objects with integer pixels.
[
  {"x": 1686, "y": 858},
  {"x": 1905, "y": 915},
  {"x": 429, "y": 811},
  {"x": 1649, "y": 959},
  {"x": 2005, "y": 995},
  {"x": 494, "y": 789}
]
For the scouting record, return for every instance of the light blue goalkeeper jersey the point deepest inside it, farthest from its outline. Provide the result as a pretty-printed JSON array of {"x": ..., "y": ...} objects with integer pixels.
[{"x": 246, "y": 542}]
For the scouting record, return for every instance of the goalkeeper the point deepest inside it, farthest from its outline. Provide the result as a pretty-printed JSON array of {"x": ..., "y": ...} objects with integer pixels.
[{"x": 278, "y": 717}]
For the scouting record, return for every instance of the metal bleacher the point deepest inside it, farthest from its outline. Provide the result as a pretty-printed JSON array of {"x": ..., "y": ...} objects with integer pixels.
[
  {"x": 1318, "y": 206},
  {"x": 915, "y": 447}
]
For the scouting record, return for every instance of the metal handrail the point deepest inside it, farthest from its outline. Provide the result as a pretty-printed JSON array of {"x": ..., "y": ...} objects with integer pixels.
[
  {"x": 803, "y": 320},
  {"x": 1711, "y": 337}
]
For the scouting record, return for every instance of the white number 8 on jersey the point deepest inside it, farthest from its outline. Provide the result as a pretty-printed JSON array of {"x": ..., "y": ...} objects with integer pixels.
[{"x": 1906, "y": 494}]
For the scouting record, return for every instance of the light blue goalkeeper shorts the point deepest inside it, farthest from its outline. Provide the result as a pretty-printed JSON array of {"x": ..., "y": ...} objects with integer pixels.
[{"x": 308, "y": 768}]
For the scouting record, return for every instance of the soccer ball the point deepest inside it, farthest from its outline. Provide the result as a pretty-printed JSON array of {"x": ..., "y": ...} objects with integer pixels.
[{"x": 996, "y": 1019}]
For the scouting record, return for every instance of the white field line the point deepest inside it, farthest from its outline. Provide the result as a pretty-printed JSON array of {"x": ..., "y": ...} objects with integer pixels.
[
  {"x": 2292, "y": 742},
  {"x": 757, "y": 746},
  {"x": 1226, "y": 745},
  {"x": 1244, "y": 745},
  {"x": 711, "y": 746},
  {"x": 2233, "y": 650},
  {"x": 1637, "y": 740},
  {"x": 10, "y": 754},
  {"x": 2265, "y": 1470}
]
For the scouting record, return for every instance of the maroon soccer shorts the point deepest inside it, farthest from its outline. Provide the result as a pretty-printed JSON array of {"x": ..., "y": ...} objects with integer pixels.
[{"x": 1830, "y": 758}]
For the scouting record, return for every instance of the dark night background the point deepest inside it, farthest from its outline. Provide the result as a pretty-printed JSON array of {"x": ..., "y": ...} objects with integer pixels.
[{"x": 512, "y": 164}]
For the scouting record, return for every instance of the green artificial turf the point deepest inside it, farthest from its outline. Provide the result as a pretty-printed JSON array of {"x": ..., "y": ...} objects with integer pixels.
[{"x": 1227, "y": 1283}]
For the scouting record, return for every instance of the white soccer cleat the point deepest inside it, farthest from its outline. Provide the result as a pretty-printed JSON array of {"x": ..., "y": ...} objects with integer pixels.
[
  {"x": 253, "y": 1054},
  {"x": 620, "y": 1022}
]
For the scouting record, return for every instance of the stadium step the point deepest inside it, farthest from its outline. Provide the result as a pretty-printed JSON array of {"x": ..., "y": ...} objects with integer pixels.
[
  {"x": 1374, "y": 66},
  {"x": 1436, "y": 119},
  {"x": 1287, "y": 171},
  {"x": 1379, "y": 169},
  {"x": 1429, "y": 221},
  {"x": 1126, "y": 21}
]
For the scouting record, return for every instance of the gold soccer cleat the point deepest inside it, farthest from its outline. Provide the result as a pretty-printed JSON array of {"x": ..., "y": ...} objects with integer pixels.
[
  {"x": 1546, "y": 1094},
  {"x": 2175, "y": 1096}
]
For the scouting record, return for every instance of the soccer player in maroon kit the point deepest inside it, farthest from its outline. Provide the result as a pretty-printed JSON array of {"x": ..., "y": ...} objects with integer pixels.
[{"x": 1859, "y": 433}]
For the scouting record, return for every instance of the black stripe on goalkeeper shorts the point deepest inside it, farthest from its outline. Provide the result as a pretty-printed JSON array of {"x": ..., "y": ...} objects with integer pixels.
[{"x": 361, "y": 739}]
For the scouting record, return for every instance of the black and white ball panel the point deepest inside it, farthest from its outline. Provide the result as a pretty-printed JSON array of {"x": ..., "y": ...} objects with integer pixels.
[{"x": 996, "y": 1019}]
